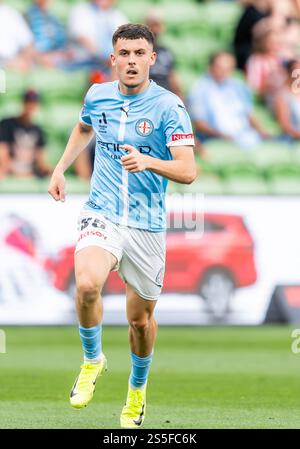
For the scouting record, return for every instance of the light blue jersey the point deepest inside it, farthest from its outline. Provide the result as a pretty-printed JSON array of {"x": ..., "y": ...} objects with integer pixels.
[{"x": 152, "y": 122}]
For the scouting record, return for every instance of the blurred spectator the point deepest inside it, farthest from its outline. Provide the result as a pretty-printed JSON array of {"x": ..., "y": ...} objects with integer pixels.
[
  {"x": 22, "y": 142},
  {"x": 287, "y": 102},
  {"x": 285, "y": 19},
  {"x": 289, "y": 42},
  {"x": 91, "y": 26},
  {"x": 221, "y": 106},
  {"x": 48, "y": 32},
  {"x": 16, "y": 40},
  {"x": 264, "y": 70},
  {"x": 288, "y": 9},
  {"x": 282, "y": 12},
  {"x": 162, "y": 72},
  {"x": 254, "y": 11}
]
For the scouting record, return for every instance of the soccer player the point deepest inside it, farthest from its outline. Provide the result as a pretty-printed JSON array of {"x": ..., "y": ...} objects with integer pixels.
[{"x": 144, "y": 137}]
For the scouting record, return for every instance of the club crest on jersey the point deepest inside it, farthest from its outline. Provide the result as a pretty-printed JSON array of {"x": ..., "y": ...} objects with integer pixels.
[{"x": 144, "y": 127}]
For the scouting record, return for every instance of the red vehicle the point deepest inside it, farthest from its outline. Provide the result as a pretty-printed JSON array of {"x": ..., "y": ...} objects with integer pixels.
[{"x": 212, "y": 263}]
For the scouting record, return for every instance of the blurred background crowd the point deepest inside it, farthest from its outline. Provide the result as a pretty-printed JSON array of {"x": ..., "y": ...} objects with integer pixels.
[{"x": 236, "y": 64}]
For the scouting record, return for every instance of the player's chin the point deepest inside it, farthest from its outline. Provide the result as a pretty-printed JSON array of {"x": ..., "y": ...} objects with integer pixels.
[{"x": 132, "y": 82}]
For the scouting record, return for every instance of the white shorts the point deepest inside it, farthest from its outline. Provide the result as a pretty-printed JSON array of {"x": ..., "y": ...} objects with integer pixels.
[{"x": 140, "y": 254}]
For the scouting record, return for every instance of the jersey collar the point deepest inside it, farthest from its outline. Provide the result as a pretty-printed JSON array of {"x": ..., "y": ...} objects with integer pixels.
[{"x": 129, "y": 97}]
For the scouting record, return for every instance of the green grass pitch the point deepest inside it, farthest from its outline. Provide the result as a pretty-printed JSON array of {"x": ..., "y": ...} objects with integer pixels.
[{"x": 206, "y": 377}]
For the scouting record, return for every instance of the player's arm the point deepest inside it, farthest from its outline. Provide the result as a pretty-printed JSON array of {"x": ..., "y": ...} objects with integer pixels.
[
  {"x": 181, "y": 169},
  {"x": 80, "y": 137}
]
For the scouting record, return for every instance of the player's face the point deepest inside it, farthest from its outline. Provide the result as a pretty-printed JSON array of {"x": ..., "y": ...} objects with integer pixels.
[{"x": 132, "y": 60}]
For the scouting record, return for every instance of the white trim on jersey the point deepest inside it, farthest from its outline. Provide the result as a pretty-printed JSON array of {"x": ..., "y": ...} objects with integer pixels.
[
  {"x": 124, "y": 186},
  {"x": 182, "y": 142},
  {"x": 125, "y": 109},
  {"x": 124, "y": 190}
]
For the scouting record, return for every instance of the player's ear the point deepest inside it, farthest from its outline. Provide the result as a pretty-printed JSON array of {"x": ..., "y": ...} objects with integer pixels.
[
  {"x": 112, "y": 59},
  {"x": 153, "y": 58}
]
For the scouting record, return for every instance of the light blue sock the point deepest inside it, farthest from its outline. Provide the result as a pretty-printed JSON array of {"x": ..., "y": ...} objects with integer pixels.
[
  {"x": 91, "y": 343},
  {"x": 139, "y": 370}
]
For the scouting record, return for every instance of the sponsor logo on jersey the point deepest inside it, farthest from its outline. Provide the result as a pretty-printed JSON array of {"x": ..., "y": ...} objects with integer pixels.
[
  {"x": 144, "y": 127},
  {"x": 181, "y": 137},
  {"x": 115, "y": 152},
  {"x": 102, "y": 123},
  {"x": 92, "y": 234}
]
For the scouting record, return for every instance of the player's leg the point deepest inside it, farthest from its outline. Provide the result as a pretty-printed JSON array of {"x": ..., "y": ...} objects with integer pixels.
[
  {"x": 92, "y": 267},
  {"x": 142, "y": 335},
  {"x": 142, "y": 268},
  {"x": 142, "y": 324}
]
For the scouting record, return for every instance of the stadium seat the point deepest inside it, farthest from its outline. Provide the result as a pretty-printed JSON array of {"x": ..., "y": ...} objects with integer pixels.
[
  {"x": 270, "y": 157},
  {"x": 55, "y": 148},
  {"x": 25, "y": 185},
  {"x": 174, "y": 187},
  {"x": 61, "y": 116},
  {"x": 206, "y": 184},
  {"x": 284, "y": 185},
  {"x": 52, "y": 84},
  {"x": 78, "y": 186},
  {"x": 9, "y": 107},
  {"x": 246, "y": 185},
  {"x": 223, "y": 156}
]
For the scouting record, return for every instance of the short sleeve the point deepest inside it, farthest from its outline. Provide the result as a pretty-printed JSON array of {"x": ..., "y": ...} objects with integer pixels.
[
  {"x": 85, "y": 113},
  {"x": 177, "y": 127}
]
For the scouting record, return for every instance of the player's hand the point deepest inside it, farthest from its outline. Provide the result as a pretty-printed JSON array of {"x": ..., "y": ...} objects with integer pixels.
[
  {"x": 134, "y": 162},
  {"x": 57, "y": 186}
]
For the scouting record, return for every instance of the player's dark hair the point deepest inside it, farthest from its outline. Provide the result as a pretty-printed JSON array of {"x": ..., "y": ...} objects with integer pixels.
[{"x": 133, "y": 31}]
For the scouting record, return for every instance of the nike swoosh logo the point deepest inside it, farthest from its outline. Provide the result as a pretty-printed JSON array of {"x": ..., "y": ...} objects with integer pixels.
[
  {"x": 73, "y": 389},
  {"x": 74, "y": 386},
  {"x": 139, "y": 421}
]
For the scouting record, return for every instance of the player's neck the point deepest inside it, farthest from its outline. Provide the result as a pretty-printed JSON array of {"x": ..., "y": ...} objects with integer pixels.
[{"x": 125, "y": 90}]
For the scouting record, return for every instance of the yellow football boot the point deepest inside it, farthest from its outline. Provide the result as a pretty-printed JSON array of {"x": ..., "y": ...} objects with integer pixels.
[
  {"x": 133, "y": 413},
  {"x": 83, "y": 389}
]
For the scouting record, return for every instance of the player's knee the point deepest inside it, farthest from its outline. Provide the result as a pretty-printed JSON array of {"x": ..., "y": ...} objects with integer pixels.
[
  {"x": 88, "y": 290},
  {"x": 141, "y": 325}
]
